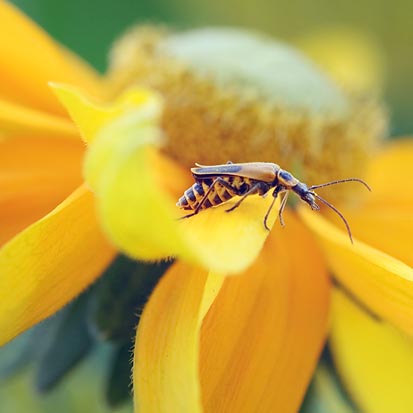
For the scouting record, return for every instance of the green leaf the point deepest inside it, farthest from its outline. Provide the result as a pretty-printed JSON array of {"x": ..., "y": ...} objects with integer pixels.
[
  {"x": 120, "y": 295},
  {"x": 70, "y": 342},
  {"x": 14, "y": 356},
  {"x": 325, "y": 394},
  {"x": 119, "y": 385},
  {"x": 26, "y": 348}
]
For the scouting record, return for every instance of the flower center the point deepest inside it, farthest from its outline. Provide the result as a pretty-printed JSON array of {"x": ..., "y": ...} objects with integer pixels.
[{"x": 233, "y": 95}]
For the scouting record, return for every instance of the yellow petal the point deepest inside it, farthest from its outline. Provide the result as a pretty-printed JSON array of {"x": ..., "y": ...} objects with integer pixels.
[
  {"x": 29, "y": 59},
  {"x": 385, "y": 217},
  {"x": 20, "y": 120},
  {"x": 259, "y": 341},
  {"x": 137, "y": 189},
  {"x": 167, "y": 344},
  {"x": 374, "y": 360},
  {"x": 50, "y": 263},
  {"x": 35, "y": 176},
  {"x": 263, "y": 334},
  {"x": 385, "y": 227},
  {"x": 226, "y": 242},
  {"x": 380, "y": 281},
  {"x": 390, "y": 173}
]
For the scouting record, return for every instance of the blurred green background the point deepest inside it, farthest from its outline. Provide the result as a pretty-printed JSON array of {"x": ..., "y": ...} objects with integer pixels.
[{"x": 90, "y": 27}]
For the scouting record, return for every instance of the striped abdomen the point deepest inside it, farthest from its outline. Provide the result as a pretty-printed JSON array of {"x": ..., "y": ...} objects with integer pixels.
[{"x": 196, "y": 193}]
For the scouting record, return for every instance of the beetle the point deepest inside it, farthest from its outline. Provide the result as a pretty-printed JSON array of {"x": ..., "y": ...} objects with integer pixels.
[{"x": 217, "y": 184}]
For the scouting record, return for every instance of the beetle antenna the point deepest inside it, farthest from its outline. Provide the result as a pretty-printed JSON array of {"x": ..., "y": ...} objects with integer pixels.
[
  {"x": 340, "y": 181},
  {"x": 337, "y": 212}
]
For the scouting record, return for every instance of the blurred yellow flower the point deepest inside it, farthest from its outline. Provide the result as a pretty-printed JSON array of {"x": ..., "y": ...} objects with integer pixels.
[
  {"x": 352, "y": 56},
  {"x": 206, "y": 341}
]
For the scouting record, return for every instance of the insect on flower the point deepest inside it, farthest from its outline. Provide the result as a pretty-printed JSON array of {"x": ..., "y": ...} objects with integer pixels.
[{"x": 217, "y": 184}]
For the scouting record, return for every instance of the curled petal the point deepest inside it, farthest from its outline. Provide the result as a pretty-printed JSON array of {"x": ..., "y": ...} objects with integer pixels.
[
  {"x": 381, "y": 282},
  {"x": 374, "y": 360},
  {"x": 137, "y": 188},
  {"x": 90, "y": 116},
  {"x": 50, "y": 263}
]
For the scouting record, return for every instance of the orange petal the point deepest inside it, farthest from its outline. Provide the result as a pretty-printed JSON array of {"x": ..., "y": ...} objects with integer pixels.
[
  {"x": 35, "y": 176},
  {"x": 374, "y": 360},
  {"x": 381, "y": 282},
  {"x": 50, "y": 263},
  {"x": 20, "y": 120},
  {"x": 259, "y": 341},
  {"x": 29, "y": 59},
  {"x": 263, "y": 335},
  {"x": 167, "y": 345}
]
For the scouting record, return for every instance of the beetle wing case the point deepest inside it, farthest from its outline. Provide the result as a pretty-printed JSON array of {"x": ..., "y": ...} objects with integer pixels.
[{"x": 260, "y": 171}]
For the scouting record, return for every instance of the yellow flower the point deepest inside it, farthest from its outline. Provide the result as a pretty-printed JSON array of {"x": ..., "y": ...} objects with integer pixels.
[{"x": 206, "y": 341}]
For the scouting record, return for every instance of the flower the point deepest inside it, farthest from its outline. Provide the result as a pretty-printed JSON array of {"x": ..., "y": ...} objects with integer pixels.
[{"x": 207, "y": 341}]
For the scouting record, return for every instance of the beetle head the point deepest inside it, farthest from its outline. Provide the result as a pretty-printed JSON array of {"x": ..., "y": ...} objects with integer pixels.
[{"x": 306, "y": 195}]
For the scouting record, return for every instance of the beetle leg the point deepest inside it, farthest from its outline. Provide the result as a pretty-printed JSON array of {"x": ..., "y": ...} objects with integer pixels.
[
  {"x": 226, "y": 185},
  {"x": 275, "y": 193},
  {"x": 254, "y": 189},
  {"x": 267, "y": 214},
  {"x": 282, "y": 206},
  {"x": 199, "y": 206}
]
